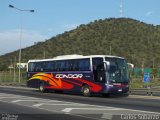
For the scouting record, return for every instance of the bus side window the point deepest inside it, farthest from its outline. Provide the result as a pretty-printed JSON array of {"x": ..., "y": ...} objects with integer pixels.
[
  {"x": 63, "y": 65},
  {"x": 39, "y": 67},
  {"x": 58, "y": 66},
  {"x": 84, "y": 65},
  {"x": 48, "y": 66},
  {"x": 76, "y": 65},
  {"x": 73, "y": 65},
  {"x": 55, "y": 66},
  {"x": 70, "y": 66},
  {"x": 31, "y": 67},
  {"x": 66, "y": 66}
]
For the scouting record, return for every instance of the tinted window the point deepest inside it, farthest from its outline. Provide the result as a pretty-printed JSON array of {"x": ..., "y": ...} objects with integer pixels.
[
  {"x": 36, "y": 66},
  {"x": 39, "y": 66},
  {"x": 118, "y": 71},
  {"x": 84, "y": 64},
  {"x": 97, "y": 62},
  {"x": 49, "y": 66},
  {"x": 31, "y": 67},
  {"x": 61, "y": 65},
  {"x": 57, "y": 66},
  {"x": 73, "y": 65}
]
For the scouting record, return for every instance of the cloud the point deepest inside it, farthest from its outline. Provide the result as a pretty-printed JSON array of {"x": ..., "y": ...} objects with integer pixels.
[
  {"x": 149, "y": 13},
  {"x": 10, "y": 39}
]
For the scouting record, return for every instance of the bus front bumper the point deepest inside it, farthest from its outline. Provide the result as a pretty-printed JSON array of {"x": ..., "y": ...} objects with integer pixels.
[{"x": 116, "y": 89}]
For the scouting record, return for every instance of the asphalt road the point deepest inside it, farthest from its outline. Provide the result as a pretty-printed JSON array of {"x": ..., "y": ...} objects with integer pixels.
[
  {"x": 31, "y": 104},
  {"x": 10, "y": 111}
]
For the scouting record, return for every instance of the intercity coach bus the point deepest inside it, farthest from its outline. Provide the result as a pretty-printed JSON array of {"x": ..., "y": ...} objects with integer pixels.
[{"x": 102, "y": 74}]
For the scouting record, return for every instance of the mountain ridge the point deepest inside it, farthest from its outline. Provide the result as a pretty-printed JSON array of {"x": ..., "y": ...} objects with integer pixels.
[{"x": 137, "y": 41}]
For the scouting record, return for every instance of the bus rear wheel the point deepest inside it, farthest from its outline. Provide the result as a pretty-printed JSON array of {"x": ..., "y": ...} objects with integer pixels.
[{"x": 86, "y": 91}]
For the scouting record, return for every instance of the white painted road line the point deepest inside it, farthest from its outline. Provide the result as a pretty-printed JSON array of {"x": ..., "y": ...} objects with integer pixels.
[
  {"x": 70, "y": 109},
  {"x": 9, "y": 97},
  {"x": 19, "y": 87},
  {"x": 107, "y": 116},
  {"x": 37, "y": 100},
  {"x": 111, "y": 109},
  {"x": 66, "y": 107},
  {"x": 76, "y": 104}
]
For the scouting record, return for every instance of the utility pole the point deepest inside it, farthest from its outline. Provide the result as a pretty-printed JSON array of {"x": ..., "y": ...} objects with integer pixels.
[{"x": 20, "y": 54}]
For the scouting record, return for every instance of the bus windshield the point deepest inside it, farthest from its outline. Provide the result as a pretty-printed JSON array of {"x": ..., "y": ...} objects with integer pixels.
[{"x": 118, "y": 70}]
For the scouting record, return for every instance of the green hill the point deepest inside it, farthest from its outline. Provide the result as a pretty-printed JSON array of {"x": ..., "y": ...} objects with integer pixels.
[{"x": 137, "y": 41}]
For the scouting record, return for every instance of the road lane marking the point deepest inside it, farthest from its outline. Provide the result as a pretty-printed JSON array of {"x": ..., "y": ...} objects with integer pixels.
[
  {"x": 18, "y": 87},
  {"x": 70, "y": 109},
  {"x": 8, "y": 97},
  {"x": 40, "y": 104},
  {"x": 111, "y": 109},
  {"x": 79, "y": 104},
  {"x": 37, "y": 100},
  {"x": 53, "y": 111},
  {"x": 107, "y": 116}
]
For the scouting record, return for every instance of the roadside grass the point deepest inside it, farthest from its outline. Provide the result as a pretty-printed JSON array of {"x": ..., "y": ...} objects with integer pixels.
[
  {"x": 138, "y": 83},
  {"x": 12, "y": 79}
]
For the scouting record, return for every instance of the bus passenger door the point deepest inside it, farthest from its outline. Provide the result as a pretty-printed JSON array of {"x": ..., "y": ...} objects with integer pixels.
[{"x": 98, "y": 70}]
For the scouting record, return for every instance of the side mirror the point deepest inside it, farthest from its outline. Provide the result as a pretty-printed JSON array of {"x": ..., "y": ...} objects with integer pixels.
[
  {"x": 130, "y": 66},
  {"x": 107, "y": 64}
]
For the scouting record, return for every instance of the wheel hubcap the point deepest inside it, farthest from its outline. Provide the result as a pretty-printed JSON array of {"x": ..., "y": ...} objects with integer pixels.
[
  {"x": 41, "y": 88},
  {"x": 86, "y": 90}
]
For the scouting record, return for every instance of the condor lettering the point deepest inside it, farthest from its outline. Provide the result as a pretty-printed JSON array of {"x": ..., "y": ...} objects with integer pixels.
[{"x": 69, "y": 76}]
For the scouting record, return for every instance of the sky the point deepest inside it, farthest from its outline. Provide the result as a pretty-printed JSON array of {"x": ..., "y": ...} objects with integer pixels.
[{"x": 52, "y": 17}]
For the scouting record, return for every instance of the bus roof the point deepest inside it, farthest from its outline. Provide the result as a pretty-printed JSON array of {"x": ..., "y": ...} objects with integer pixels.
[{"x": 74, "y": 56}]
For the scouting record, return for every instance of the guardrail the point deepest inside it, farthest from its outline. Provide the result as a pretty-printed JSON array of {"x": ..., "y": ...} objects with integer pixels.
[{"x": 146, "y": 91}]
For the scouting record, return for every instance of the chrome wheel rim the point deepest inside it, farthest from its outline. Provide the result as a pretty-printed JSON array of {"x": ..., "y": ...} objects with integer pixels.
[
  {"x": 41, "y": 88},
  {"x": 86, "y": 90}
]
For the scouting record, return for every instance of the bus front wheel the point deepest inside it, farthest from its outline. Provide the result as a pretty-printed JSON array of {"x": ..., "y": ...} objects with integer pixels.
[{"x": 86, "y": 91}]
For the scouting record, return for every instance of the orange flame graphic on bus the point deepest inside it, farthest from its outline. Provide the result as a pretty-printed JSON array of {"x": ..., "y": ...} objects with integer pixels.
[
  {"x": 48, "y": 78},
  {"x": 59, "y": 83}
]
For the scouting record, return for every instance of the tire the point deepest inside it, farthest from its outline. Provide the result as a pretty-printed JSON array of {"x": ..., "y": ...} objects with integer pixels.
[
  {"x": 86, "y": 91},
  {"x": 126, "y": 94},
  {"x": 41, "y": 88},
  {"x": 106, "y": 94},
  {"x": 58, "y": 91}
]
